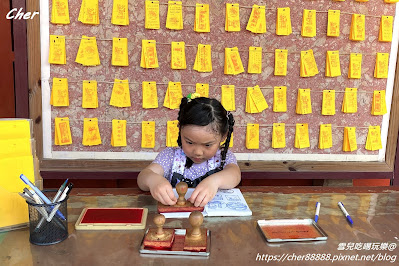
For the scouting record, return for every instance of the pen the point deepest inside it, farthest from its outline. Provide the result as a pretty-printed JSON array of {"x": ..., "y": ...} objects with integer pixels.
[
  {"x": 40, "y": 194},
  {"x": 316, "y": 216},
  {"x": 341, "y": 206},
  {"x": 59, "y": 192},
  {"x": 63, "y": 196}
]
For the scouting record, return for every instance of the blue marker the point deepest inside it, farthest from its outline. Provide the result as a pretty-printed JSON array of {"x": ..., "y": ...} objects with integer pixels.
[
  {"x": 316, "y": 215},
  {"x": 341, "y": 206},
  {"x": 40, "y": 194}
]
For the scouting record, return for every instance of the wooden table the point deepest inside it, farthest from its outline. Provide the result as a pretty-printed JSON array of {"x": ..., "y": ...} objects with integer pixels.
[{"x": 235, "y": 240}]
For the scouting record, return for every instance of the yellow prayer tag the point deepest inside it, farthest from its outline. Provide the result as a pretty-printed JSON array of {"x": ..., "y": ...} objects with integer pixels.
[
  {"x": 325, "y": 136},
  {"x": 355, "y": 66},
  {"x": 349, "y": 104},
  {"x": 308, "y": 23},
  {"x": 283, "y": 23},
  {"x": 280, "y": 99},
  {"x": 333, "y": 24},
  {"x": 89, "y": 95},
  {"x": 278, "y": 136},
  {"x": 59, "y": 93},
  {"x": 120, "y": 96},
  {"x": 257, "y": 19},
  {"x": 358, "y": 31},
  {"x": 118, "y": 136},
  {"x": 62, "y": 132},
  {"x": 350, "y": 143},
  {"x": 152, "y": 15},
  {"x": 120, "y": 12},
  {"x": 149, "y": 58},
  {"x": 308, "y": 64},
  {"x": 255, "y": 60},
  {"x": 201, "y": 22},
  {"x": 173, "y": 95},
  {"x": 328, "y": 106},
  {"x": 150, "y": 95},
  {"x": 202, "y": 89},
  {"x": 379, "y": 106},
  {"x": 88, "y": 52},
  {"x": 391, "y": 1},
  {"x": 386, "y": 27},
  {"x": 381, "y": 65},
  {"x": 172, "y": 133},
  {"x": 333, "y": 66},
  {"x": 91, "y": 132},
  {"x": 258, "y": 99},
  {"x": 252, "y": 138},
  {"x": 60, "y": 12},
  {"x": 232, "y": 22},
  {"x": 228, "y": 97},
  {"x": 304, "y": 103},
  {"x": 280, "y": 62},
  {"x": 88, "y": 13},
  {"x": 148, "y": 134},
  {"x": 178, "y": 57},
  {"x": 232, "y": 62},
  {"x": 174, "y": 17},
  {"x": 57, "y": 54},
  {"x": 301, "y": 136},
  {"x": 119, "y": 52},
  {"x": 203, "y": 60},
  {"x": 373, "y": 141}
]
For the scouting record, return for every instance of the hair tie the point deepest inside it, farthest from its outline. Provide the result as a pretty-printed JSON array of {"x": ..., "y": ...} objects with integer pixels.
[{"x": 192, "y": 96}]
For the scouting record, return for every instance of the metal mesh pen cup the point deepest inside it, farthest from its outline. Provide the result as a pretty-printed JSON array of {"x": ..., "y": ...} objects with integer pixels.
[{"x": 46, "y": 223}]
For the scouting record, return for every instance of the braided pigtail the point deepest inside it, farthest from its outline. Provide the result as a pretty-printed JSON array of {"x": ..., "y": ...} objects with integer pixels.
[
  {"x": 230, "y": 121},
  {"x": 183, "y": 105}
]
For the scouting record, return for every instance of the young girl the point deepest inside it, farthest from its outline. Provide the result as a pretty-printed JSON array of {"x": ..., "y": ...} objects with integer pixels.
[{"x": 203, "y": 125}]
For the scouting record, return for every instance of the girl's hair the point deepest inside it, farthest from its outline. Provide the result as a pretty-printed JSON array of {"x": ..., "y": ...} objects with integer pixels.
[{"x": 203, "y": 111}]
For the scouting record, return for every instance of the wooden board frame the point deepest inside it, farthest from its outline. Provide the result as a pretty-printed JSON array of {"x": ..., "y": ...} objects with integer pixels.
[{"x": 35, "y": 111}]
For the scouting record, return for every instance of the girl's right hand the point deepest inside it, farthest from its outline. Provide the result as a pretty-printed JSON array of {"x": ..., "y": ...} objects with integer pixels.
[{"x": 162, "y": 191}]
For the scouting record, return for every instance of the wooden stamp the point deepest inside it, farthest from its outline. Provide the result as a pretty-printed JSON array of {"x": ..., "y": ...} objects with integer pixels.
[
  {"x": 196, "y": 237},
  {"x": 159, "y": 238},
  {"x": 182, "y": 204}
]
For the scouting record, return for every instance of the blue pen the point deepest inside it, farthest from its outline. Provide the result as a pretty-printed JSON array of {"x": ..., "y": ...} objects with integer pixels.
[
  {"x": 341, "y": 206},
  {"x": 40, "y": 194},
  {"x": 316, "y": 216}
]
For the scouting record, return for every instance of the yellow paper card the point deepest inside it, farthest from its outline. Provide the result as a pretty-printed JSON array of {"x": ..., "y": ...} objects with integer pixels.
[
  {"x": 150, "y": 95},
  {"x": 252, "y": 137},
  {"x": 333, "y": 66},
  {"x": 15, "y": 129},
  {"x": 88, "y": 52},
  {"x": 328, "y": 106},
  {"x": 60, "y": 12},
  {"x": 233, "y": 63},
  {"x": 232, "y": 22},
  {"x": 152, "y": 15},
  {"x": 280, "y": 62},
  {"x": 120, "y": 96},
  {"x": 257, "y": 19},
  {"x": 173, "y": 95},
  {"x": 278, "y": 136},
  {"x": 120, "y": 12},
  {"x": 373, "y": 141},
  {"x": 172, "y": 133},
  {"x": 59, "y": 93},
  {"x": 118, "y": 136},
  {"x": 91, "y": 132},
  {"x": 349, "y": 104},
  {"x": 333, "y": 24},
  {"x": 391, "y": 1},
  {"x": 308, "y": 23},
  {"x": 280, "y": 99},
  {"x": 358, "y": 25},
  {"x": 89, "y": 95},
  {"x": 203, "y": 60},
  {"x": 283, "y": 23},
  {"x": 228, "y": 97},
  {"x": 148, "y": 134},
  {"x": 301, "y": 136},
  {"x": 57, "y": 53},
  {"x": 15, "y": 147},
  {"x": 258, "y": 99},
  {"x": 304, "y": 103},
  {"x": 379, "y": 106},
  {"x": 255, "y": 60},
  {"x": 174, "y": 17},
  {"x": 325, "y": 136},
  {"x": 381, "y": 65},
  {"x": 308, "y": 64},
  {"x": 355, "y": 66},
  {"x": 201, "y": 22},
  {"x": 119, "y": 52},
  {"x": 178, "y": 57},
  {"x": 202, "y": 89},
  {"x": 350, "y": 143},
  {"x": 62, "y": 132},
  {"x": 386, "y": 27},
  {"x": 88, "y": 13},
  {"x": 149, "y": 58}
]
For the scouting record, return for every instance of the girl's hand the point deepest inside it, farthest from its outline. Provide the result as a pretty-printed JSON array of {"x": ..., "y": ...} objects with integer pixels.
[
  {"x": 204, "y": 192},
  {"x": 162, "y": 191}
]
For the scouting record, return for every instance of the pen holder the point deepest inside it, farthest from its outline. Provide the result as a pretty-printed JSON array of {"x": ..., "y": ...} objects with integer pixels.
[{"x": 42, "y": 231}]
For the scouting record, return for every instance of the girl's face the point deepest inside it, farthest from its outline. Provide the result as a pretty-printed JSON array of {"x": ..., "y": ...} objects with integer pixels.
[{"x": 199, "y": 143}]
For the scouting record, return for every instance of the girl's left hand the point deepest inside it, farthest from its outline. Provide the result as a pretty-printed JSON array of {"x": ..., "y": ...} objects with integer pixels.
[{"x": 204, "y": 192}]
